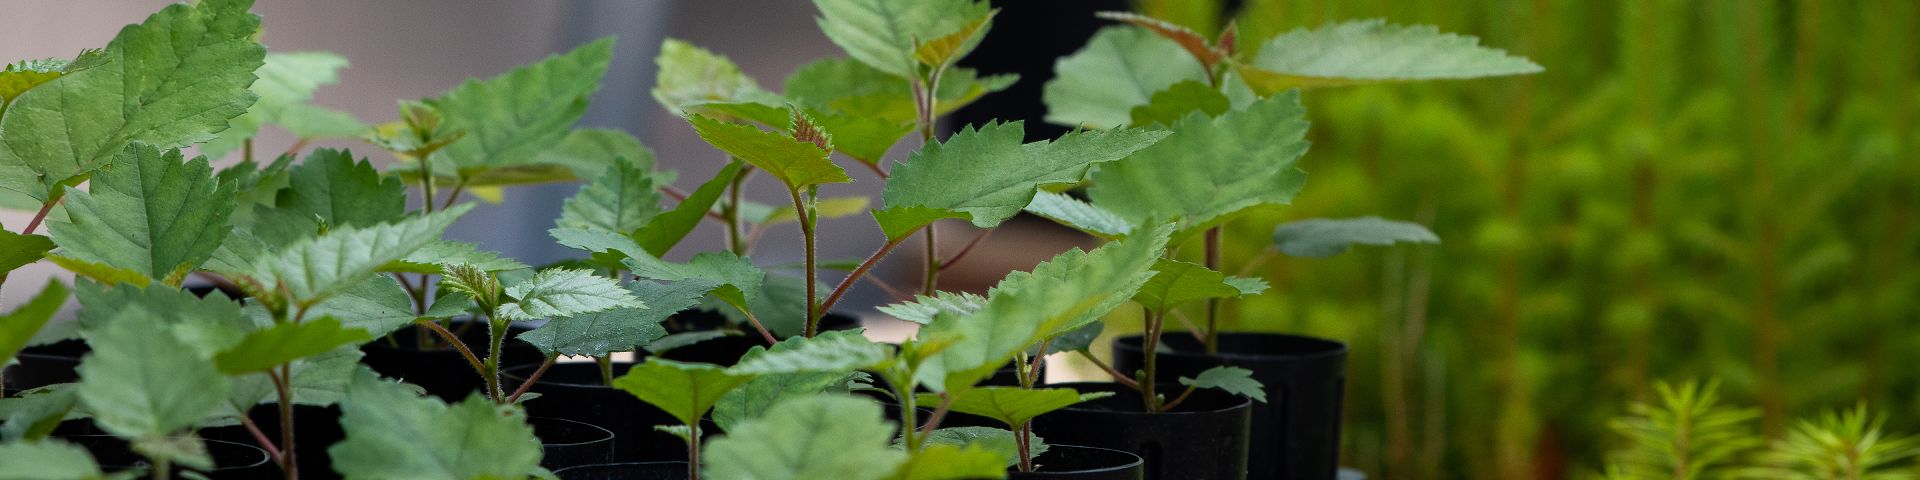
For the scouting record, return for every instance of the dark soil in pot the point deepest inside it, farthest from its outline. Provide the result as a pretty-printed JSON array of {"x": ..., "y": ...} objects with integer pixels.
[
  {"x": 626, "y": 471},
  {"x": 1070, "y": 462},
  {"x": 442, "y": 371},
  {"x": 1205, "y": 438},
  {"x": 727, "y": 350},
  {"x": 314, "y": 429},
  {"x": 1296, "y": 434},
  {"x": 231, "y": 460},
  {"x": 575, "y": 391},
  {"x": 568, "y": 443},
  {"x": 44, "y": 365}
]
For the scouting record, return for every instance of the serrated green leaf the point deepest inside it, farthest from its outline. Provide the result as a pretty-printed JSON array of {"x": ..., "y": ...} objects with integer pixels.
[
  {"x": 1211, "y": 168},
  {"x": 311, "y": 122},
  {"x": 333, "y": 189},
  {"x": 1234, "y": 380},
  {"x": 208, "y": 324},
  {"x": 823, "y": 436},
  {"x": 377, "y": 305},
  {"x": 939, "y": 52},
  {"x": 170, "y": 81},
  {"x": 1120, "y": 68},
  {"x": 1079, "y": 215},
  {"x": 667, "y": 229},
  {"x": 392, "y": 432},
  {"x": 589, "y": 151},
  {"x": 837, "y": 351},
  {"x": 757, "y": 395},
  {"x": 313, "y": 269},
  {"x": 287, "y": 81},
  {"x": 622, "y": 199},
  {"x": 923, "y": 309},
  {"x": 684, "y": 390},
  {"x": 1169, "y": 106},
  {"x": 738, "y": 281},
  {"x": 280, "y": 344},
  {"x": 564, "y": 292},
  {"x": 899, "y": 222},
  {"x": 780, "y": 305},
  {"x": 883, "y": 33},
  {"x": 1373, "y": 51},
  {"x": 621, "y": 329},
  {"x": 150, "y": 213},
  {"x": 1059, "y": 295},
  {"x": 1010, "y": 405},
  {"x": 47, "y": 460},
  {"x": 186, "y": 449},
  {"x": 142, "y": 380},
  {"x": 795, "y": 162},
  {"x": 999, "y": 441},
  {"x": 510, "y": 119},
  {"x": 18, "y": 327},
  {"x": 990, "y": 175},
  {"x": 940, "y": 461},
  {"x": 689, "y": 76},
  {"x": 18, "y": 77},
  {"x": 1322, "y": 237},
  {"x": 1176, "y": 283},
  {"x": 1076, "y": 339},
  {"x": 430, "y": 257},
  {"x": 846, "y": 87},
  {"x": 98, "y": 272},
  {"x": 317, "y": 380},
  {"x": 18, "y": 250}
]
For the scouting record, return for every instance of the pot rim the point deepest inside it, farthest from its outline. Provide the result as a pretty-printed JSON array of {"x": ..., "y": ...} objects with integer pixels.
[
  {"x": 264, "y": 458},
  {"x": 1136, "y": 463},
  {"x": 606, "y": 435},
  {"x": 1335, "y": 348},
  {"x": 617, "y": 464},
  {"x": 515, "y": 373},
  {"x": 1240, "y": 402}
]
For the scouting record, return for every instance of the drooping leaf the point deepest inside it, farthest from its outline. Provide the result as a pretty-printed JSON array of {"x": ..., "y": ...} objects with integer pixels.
[
  {"x": 590, "y": 151},
  {"x": 836, "y": 351},
  {"x": 1079, "y": 215},
  {"x": 1012, "y": 406},
  {"x": 1321, "y": 237},
  {"x": 1119, "y": 69},
  {"x": 689, "y": 76},
  {"x": 684, "y": 390},
  {"x": 563, "y": 292},
  {"x": 142, "y": 380},
  {"x": 1176, "y": 283},
  {"x": 1234, "y": 380},
  {"x": 170, "y": 81},
  {"x": 18, "y": 250},
  {"x": 923, "y": 309},
  {"x": 1169, "y": 106},
  {"x": 941, "y": 461},
  {"x": 1373, "y": 51},
  {"x": 18, "y": 327},
  {"x": 796, "y": 162},
  {"x": 510, "y": 119},
  {"x": 822, "y": 436},
  {"x": 667, "y": 229},
  {"x": 621, "y": 329},
  {"x": 884, "y": 33},
  {"x": 999, "y": 441},
  {"x": 271, "y": 347},
  {"x": 332, "y": 189},
  {"x": 1211, "y": 168},
  {"x": 287, "y": 81},
  {"x": 621, "y": 200},
  {"x": 315, "y": 268},
  {"x": 47, "y": 460},
  {"x": 151, "y": 213},
  {"x": 989, "y": 175},
  {"x": 392, "y": 432}
]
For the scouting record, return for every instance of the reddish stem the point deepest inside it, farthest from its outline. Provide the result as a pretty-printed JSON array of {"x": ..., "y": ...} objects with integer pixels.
[
  {"x": 478, "y": 367},
  {"x": 860, "y": 271},
  {"x": 38, "y": 217},
  {"x": 528, "y": 384},
  {"x": 261, "y": 438},
  {"x": 966, "y": 249}
]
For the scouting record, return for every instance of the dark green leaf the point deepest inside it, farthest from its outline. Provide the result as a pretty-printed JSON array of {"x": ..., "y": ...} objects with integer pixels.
[
  {"x": 392, "y": 432},
  {"x": 1169, "y": 106},
  {"x": 621, "y": 200},
  {"x": 1234, "y": 380},
  {"x": 512, "y": 118},
  {"x": 620, "y": 329},
  {"x": 150, "y": 213},
  {"x": 684, "y": 390},
  {"x": 884, "y": 33},
  {"x": 823, "y": 436},
  {"x": 280, "y": 344},
  {"x": 1211, "y": 168},
  {"x": 667, "y": 229},
  {"x": 19, "y": 326},
  {"x": 1320, "y": 237},
  {"x": 143, "y": 380},
  {"x": 989, "y": 175}
]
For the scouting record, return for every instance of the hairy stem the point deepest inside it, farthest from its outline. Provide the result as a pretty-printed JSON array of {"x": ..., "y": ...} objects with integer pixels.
[
  {"x": 860, "y": 271},
  {"x": 535, "y": 377},
  {"x": 968, "y": 248},
  {"x": 260, "y": 437},
  {"x": 735, "y": 243},
  {"x": 496, "y": 338},
  {"x": 800, "y": 209},
  {"x": 454, "y": 340}
]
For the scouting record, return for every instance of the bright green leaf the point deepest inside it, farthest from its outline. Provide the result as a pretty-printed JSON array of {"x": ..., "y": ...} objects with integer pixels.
[
  {"x": 622, "y": 199},
  {"x": 33, "y": 414},
  {"x": 315, "y": 268},
  {"x": 18, "y": 77},
  {"x": 667, "y": 229},
  {"x": 208, "y": 324},
  {"x": 1211, "y": 168},
  {"x": 19, "y": 326},
  {"x": 1079, "y": 215},
  {"x": 837, "y": 351},
  {"x": 589, "y": 151},
  {"x": 939, "y": 52},
  {"x": 825, "y": 208},
  {"x": 990, "y": 175},
  {"x": 1234, "y": 380},
  {"x": 1176, "y": 283},
  {"x": 1169, "y": 106},
  {"x": 684, "y": 390},
  {"x": 796, "y": 162},
  {"x": 1010, "y": 405},
  {"x": 621, "y": 329},
  {"x": 923, "y": 309},
  {"x": 689, "y": 76},
  {"x": 151, "y": 213},
  {"x": 1119, "y": 69},
  {"x": 377, "y": 304},
  {"x": 562, "y": 292},
  {"x": 941, "y": 461},
  {"x": 392, "y": 432},
  {"x": 822, "y": 436},
  {"x": 18, "y": 250},
  {"x": 1320, "y": 237},
  {"x": 430, "y": 257},
  {"x": 1000, "y": 441},
  {"x": 899, "y": 222},
  {"x": 273, "y": 346},
  {"x": 287, "y": 80},
  {"x": 512, "y": 118},
  {"x": 883, "y": 33},
  {"x": 99, "y": 272},
  {"x": 757, "y": 395},
  {"x": 142, "y": 380},
  {"x": 1373, "y": 51}
]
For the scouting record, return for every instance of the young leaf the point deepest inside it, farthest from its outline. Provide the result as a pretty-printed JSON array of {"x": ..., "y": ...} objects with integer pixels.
[
  {"x": 19, "y": 326},
  {"x": 510, "y": 119},
  {"x": 1211, "y": 168},
  {"x": 923, "y": 309},
  {"x": 684, "y": 390},
  {"x": 151, "y": 213},
  {"x": 796, "y": 162},
  {"x": 621, "y": 200},
  {"x": 846, "y": 87},
  {"x": 689, "y": 76},
  {"x": 18, "y": 77},
  {"x": 142, "y": 380},
  {"x": 620, "y": 329},
  {"x": 1176, "y": 283},
  {"x": 18, "y": 250},
  {"x": 937, "y": 53},
  {"x": 941, "y": 461},
  {"x": 667, "y": 229},
  {"x": 316, "y": 268},
  {"x": 999, "y": 441},
  {"x": 1079, "y": 215},
  {"x": 169, "y": 82},
  {"x": 1234, "y": 380},
  {"x": 330, "y": 188},
  {"x": 392, "y": 432},
  {"x": 47, "y": 460},
  {"x": 1011, "y": 405},
  {"x": 270, "y": 347},
  {"x": 1373, "y": 51},
  {"x": 838, "y": 351},
  {"x": 429, "y": 258},
  {"x": 825, "y": 436},
  {"x": 1168, "y": 106},
  {"x": 287, "y": 82},
  {"x": 1119, "y": 69},
  {"x": 1320, "y": 237},
  {"x": 989, "y": 175},
  {"x": 562, "y": 292},
  {"x": 884, "y": 33}
]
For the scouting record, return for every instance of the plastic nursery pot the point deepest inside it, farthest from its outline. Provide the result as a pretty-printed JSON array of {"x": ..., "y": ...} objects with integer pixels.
[
  {"x": 44, "y": 365},
  {"x": 1205, "y": 438},
  {"x": 625, "y": 471},
  {"x": 575, "y": 391},
  {"x": 314, "y": 429},
  {"x": 1296, "y": 434},
  {"x": 567, "y": 443},
  {"x": 231, "y": 460},
  {"x": 442, "y": 371},
  {"x": 727, "y": 350},
  {"x": 1071, "y": 462}
]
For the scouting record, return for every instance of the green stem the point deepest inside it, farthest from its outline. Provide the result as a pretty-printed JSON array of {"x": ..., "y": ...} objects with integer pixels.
[
  {"x": 1212, "y": 336},
  {"x": 800, "y": 208},
  {"x": 283, "y": 389},
  {"x": 496, "y": 337},
  {"x": 909, "y": 417},
  {"x": 735, "y": 243},
  {"x": 426, "y": 183},
  {"x": 925, "y": 100},
  {"x": 693, "y": 451},
  {"x": 1155, "y": 320},
  {"x": 606, "y": 368}
]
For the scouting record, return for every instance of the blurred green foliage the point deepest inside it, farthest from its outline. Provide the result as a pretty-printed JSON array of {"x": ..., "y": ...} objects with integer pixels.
[{"x": 1715, "y": 188}]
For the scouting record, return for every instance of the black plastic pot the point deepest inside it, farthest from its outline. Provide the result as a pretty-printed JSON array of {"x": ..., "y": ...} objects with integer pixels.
[
  {"x": 314, "y": 429},
  {"x": 625, "y": 471},
  {"x": 1071, "y": 462},
  {"x": 1205, "y": 438},
  {"x": 44, "y": 365},
  {"x": 727, "y": 350},
  {"x": 575, "y": 391},
  {"x": 231, "y": 460},
  {"x": 568, "y": 443},
  {"x": 1296, "y": 434},
  {"x": 443, "y": 372}
]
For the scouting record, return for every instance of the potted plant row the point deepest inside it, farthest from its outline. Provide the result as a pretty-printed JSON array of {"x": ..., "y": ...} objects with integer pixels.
[{"x": 303, "y": 316}]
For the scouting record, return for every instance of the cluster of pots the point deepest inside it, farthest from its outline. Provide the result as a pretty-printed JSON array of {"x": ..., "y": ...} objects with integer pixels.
[{"x": 592, "y": 431}]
